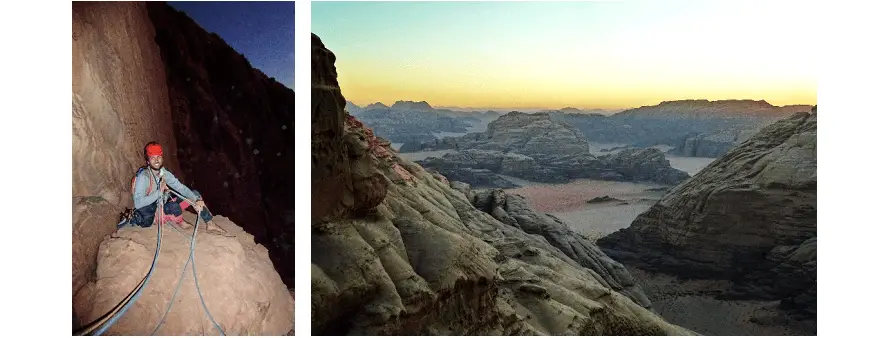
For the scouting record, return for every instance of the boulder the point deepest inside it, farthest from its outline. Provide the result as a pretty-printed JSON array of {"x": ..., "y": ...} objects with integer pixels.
[{"x": 239, "y": 285}]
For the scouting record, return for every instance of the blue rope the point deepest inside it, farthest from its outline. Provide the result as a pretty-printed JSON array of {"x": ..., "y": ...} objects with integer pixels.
[
  {"x": 198, "y": 287},
  {"x": 191, "y": 258},
  {"x": 178, "y": 284},
  {"x": 126, "y": 307}
]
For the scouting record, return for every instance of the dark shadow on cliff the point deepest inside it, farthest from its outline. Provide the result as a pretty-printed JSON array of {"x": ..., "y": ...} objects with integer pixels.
[{"x": 234, "y": 132}]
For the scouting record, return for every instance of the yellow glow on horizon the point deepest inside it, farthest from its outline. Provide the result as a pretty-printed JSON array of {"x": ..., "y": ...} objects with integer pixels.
[
  {"x": 547, "y": 88},
  {"x": 704, "y": 50}
]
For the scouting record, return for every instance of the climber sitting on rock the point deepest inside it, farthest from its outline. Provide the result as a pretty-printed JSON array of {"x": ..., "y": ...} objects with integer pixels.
[{"x": 150, "y": 183}]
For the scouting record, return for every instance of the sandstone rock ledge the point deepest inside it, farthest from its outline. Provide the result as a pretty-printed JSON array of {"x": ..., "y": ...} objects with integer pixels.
[{"x": 239, "y": 284}]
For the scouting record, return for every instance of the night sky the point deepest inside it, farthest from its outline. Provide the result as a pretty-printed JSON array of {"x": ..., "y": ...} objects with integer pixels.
[{"x": 262, "y": 31}]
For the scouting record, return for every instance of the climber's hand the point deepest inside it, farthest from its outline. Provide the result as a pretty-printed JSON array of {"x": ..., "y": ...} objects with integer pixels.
[{"x": 200, "y": 205}]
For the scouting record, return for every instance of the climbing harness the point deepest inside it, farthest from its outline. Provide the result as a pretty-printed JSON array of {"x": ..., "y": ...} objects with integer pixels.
[
  {"x": 106, "y": 321},
  {"x": 127, "y": 215}
]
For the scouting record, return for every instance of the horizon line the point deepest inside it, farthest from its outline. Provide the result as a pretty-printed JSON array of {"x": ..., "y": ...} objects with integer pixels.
[{"x": 570, "y": 106}]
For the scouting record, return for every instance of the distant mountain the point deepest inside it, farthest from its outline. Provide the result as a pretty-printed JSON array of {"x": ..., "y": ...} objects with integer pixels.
[
  {"x": 693, "y": 127},
  {"x": 418, "y": 121},
  {"x": 697, "y": 128},
  {"x": 411, "y": 105},
  {"x": 597, "y": 111},
  {"x": 377, "y": 105},
  {"x": 733, "y": 109}
]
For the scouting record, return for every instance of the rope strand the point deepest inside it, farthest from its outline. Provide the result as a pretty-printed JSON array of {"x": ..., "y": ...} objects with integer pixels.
[{"x": 138, "y": 291}]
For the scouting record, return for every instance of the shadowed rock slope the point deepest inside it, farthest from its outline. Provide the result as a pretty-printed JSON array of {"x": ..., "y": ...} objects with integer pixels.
[
  {"x": 234, "y": 131},
  {"x": 749, "y": 217},
  {"x": 397, "y": 250}
]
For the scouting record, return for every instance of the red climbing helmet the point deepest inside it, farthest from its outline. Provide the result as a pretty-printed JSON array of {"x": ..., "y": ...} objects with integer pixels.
[{"x": 153, "y": 149}]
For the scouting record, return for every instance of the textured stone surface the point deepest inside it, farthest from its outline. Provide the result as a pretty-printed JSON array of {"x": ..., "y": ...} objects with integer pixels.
[
  {"x": 331, "y": 174},
  {"x": 514, "y": 210},
  {"x": 239, "y": 284},
  {"x": 647, "y": 164},
  {"x": 94, "y": 218},
  {"x": 747, "y": 217},
  {"x": 710, "y": 145},
  {"x": 113, "y": 117}
]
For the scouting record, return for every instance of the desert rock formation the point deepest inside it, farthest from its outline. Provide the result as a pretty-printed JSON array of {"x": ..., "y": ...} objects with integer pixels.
[
  {"x": 405, "y": 253},
  {"x": 699, "y": 128},
  {"x": 749, "y": 217},
  {"x": 537, "y": 148}
]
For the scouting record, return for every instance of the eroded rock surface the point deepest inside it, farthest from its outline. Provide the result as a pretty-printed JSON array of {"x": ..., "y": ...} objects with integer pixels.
[
  {"x": 425, "y": 260},
  {"x": 749, "y": 217},
  {"x": 113, "y": 117}
]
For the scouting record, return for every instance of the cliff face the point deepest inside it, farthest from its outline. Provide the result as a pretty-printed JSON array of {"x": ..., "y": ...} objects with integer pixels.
[
  {"x": 234, "y": 131},
  {"x": 710, "y": 145},
  {"x": 644, "y": 165},
  {"x": 119, "y": 103},
  {"x": 750, "y": 217},
  {"x": 142, "y": 72},
  {"x": 397, "y": 250},
  {"x": 331, "y": 173}
]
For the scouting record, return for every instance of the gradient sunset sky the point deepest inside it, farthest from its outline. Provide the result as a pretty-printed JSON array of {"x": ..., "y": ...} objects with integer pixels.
[{"x": 616, "y": 54}]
